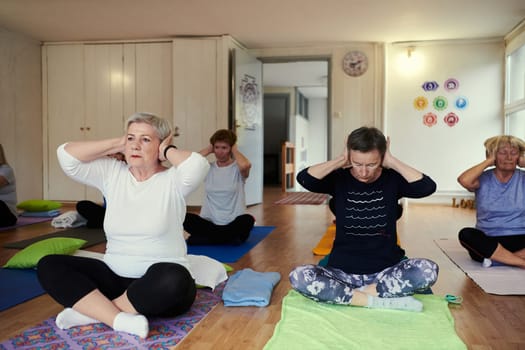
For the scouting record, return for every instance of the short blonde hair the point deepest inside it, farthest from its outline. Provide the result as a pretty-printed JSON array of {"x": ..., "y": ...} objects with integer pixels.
[{"x": 494, "y": 143}]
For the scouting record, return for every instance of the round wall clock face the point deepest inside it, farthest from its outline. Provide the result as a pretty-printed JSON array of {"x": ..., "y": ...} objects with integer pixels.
[{"x": 355, "y": 63}]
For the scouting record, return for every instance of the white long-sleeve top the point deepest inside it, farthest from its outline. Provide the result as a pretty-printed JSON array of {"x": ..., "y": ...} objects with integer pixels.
[{"x": 143, "y": 221}]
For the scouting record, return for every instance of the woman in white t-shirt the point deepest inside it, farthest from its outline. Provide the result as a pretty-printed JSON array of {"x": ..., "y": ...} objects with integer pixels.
[
  {"x": 223, "y": 218},
  {"x": 8, "y": 213},
  {"x": 145, "y": 271}
]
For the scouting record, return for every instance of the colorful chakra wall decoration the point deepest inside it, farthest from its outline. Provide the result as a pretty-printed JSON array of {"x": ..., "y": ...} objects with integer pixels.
[
  {"x": 451, "y": 119},
  {"x": 440, "y": 97},
  {"x": 420, "y": 103},
  {"x": 430, "y": 119},
  {"x": 440, "y": 103},
  {"x": 451, "y": 84},
  {"x": 461, "y": 102},
  {"x": 430, "y": 86}
]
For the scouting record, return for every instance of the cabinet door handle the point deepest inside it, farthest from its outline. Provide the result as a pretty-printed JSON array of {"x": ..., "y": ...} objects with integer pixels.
[
  {"x": 176, "y": 132},
  {"x": 88, "y": 128},
  {"x": 81, "y": 128}
]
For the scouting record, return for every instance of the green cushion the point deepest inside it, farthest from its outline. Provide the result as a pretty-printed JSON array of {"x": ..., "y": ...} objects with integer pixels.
[
  {"x": 38, "y": 205},
  {"x": 28, "y": 257},
  {"x": 227, "y": 267}
]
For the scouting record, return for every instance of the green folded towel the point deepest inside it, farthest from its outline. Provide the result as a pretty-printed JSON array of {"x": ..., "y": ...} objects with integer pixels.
[{"x": 306, "y": 324}]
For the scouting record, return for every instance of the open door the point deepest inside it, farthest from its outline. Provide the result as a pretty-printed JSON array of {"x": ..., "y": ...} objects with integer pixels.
[{"x": 248, "y": 118}]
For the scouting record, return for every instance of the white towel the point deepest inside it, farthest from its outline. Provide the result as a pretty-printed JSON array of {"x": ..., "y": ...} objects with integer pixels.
[
  {"x": 207, "y": 272},
  {"x": 68, "y": 220}
]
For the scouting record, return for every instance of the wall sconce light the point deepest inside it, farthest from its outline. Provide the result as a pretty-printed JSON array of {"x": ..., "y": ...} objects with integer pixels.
[
  {"x": 409, "y": 62},
  {"x": 410, "y": 49}
]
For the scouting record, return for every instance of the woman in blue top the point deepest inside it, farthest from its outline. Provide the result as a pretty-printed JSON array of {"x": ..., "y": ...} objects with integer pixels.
[
  {"x": 223, "y": 218},
  {"x": 366, "y": 266},
  {"x": 499, "y": 186}
]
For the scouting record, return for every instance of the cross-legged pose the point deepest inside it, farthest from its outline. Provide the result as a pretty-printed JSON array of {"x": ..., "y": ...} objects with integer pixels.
[
  {"x": 145, "y": 271},
  {"x": 366, "y": 266},
  {"x": 499, "y": 187},
  {"x": 223, "y": 218}
]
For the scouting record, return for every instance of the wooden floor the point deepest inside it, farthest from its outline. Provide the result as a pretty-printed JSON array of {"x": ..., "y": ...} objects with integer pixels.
[{"x": 483, "y": 321}]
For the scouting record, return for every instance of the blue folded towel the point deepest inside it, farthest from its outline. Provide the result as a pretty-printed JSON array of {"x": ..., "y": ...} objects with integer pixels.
[
  {"x": 250, "y": 288},
  {"x": 47, "y": 213}
]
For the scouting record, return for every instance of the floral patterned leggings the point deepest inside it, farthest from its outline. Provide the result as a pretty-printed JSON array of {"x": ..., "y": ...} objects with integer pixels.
[{"x": 332, "y": 285}]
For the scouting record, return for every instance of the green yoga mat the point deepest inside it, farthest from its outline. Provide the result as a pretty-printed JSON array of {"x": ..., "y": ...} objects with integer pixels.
[
  {"x": 306, "y": 324},
  {"x": 92, "y": 236}
]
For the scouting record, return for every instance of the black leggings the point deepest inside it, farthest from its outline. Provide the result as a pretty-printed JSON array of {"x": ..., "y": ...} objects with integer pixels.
[
  {"x": 92, "y": 212},
  {"x": 481, "y": 246},
  {"x": 205, "y": 232},
  {"x": 166, "y": 289},
  {"x": 6, "y": 216}
]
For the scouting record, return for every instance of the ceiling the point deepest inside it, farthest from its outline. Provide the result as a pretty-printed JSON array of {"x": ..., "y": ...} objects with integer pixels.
[{"x": 263, "y": 23}]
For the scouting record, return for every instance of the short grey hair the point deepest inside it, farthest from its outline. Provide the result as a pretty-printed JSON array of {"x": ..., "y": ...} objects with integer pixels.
[{"x": 162, "y": 126}]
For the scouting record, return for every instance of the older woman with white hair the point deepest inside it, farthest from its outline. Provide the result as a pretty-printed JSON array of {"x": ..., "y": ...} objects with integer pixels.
[
  {"x": 145, "y": 271},
  {"x": 499, "y": 187}
]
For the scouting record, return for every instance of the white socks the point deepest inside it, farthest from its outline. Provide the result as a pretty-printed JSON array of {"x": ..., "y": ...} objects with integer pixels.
[
  {"x": 402, "y": 303},
  {"x": 71, "y": 318},
  {"x": 129, "y": 323},
  {"x": 133, "y": 324}
]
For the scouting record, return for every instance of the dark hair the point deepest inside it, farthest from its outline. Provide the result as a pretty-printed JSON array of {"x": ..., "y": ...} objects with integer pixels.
[
  {"x": 366, "y": 139},
  {"x": 225, "y": 136}
]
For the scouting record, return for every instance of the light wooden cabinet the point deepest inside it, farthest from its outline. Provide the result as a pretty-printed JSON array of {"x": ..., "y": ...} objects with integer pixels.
[
  {"x": 89, "y": 92},
  {"x": 197, "y": 88},
  {"x": 90, "y": 89},
  {"x": 65, "y": 106},
  {"x": 195, "y": 91}
]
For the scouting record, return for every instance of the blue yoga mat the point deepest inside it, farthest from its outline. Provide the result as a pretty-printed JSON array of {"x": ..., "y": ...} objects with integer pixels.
[
  {"x": 231, "y": 253},
  {"x": 17, "y": 286}
]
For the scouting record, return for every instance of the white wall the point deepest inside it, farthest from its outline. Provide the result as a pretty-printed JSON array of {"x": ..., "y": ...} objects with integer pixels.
[
  {"x": 317, "y": 130},
  {"x": 441, "y": 151},
  {"x": 311, "y": 141}
]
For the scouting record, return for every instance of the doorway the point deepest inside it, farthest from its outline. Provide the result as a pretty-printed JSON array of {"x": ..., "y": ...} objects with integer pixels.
[
  {"x": 276, "y": 117},
  {"x": 295, "y": 110}
]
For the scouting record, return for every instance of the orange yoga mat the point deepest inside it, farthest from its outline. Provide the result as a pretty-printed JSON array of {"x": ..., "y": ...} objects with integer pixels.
[
  {"x": 325, "y": 244},
  {"x": 324, "y": 247}
]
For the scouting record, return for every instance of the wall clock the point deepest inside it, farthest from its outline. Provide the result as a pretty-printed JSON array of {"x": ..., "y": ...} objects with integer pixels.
[{"x": 355, "y": 63}]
